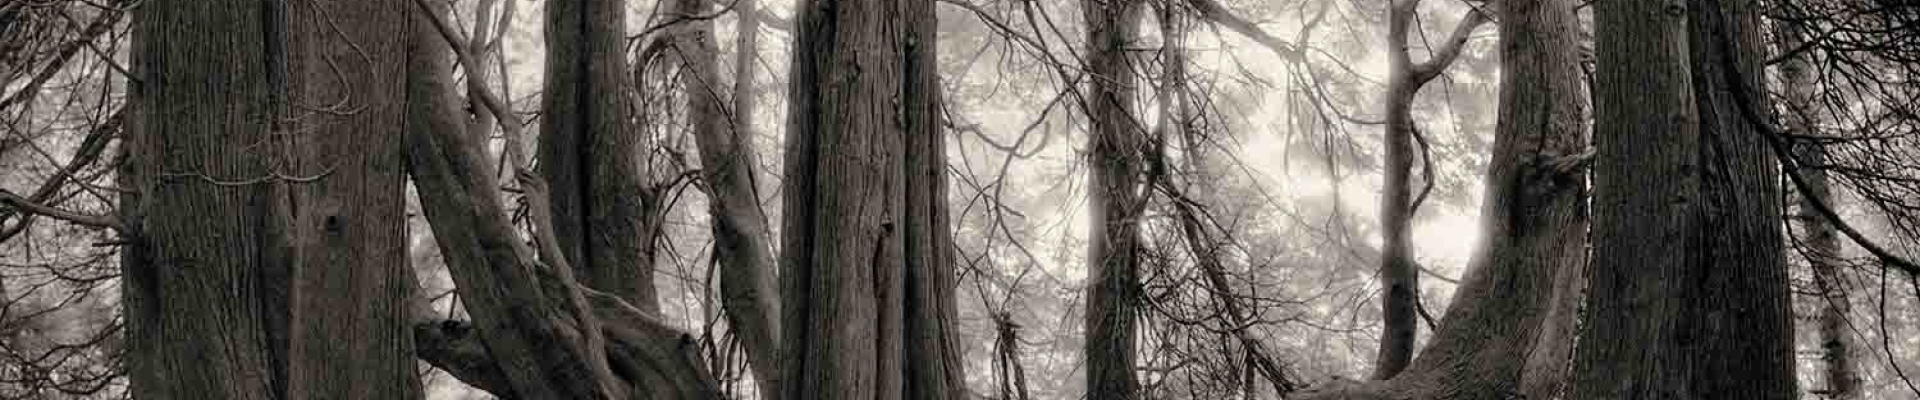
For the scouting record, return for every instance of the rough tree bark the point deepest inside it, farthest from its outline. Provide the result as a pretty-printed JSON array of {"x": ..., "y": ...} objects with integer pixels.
[
  {"x": 741, "y": 247},
  {"x": 1689, "y": 286},
  {"x": 1399, "y": 306},
  {"x": 1742, "y": 307},
  {"x": 535, "y": 332},
  {"x": 348, "y": 329},
  {"x": 1115, "y": 199},
  {"x": 933, "y": 358},
  {"x": 200, "y": 161},
  {"x": 864, "y": 263},
  {"x": 1821, "y": 244},
  {"x": 591, "y": 155},
  {"x": 1517, "y": 292}
]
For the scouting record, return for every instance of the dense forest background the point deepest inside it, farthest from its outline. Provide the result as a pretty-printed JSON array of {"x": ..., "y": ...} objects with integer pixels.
[{"x": 1050, "y": 199}]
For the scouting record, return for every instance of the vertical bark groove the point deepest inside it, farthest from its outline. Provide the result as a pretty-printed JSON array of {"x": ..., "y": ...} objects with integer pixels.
[
  {"x": 350, "y": 280},
  {"x": 591, "y": 155},
  {"x": 1689, "y": 286},
  {"x": 865, "y": 263},
  {"x": 198, "y": 152}
]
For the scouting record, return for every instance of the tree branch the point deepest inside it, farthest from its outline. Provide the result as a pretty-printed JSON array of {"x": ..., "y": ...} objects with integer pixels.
[
  {"x": 14, "y": 201},
  {"x": 1213, "y": 11},
  {"x": 1449, "y": 50},
  {"x": 639, "y": 346},
  {"x": 1744, "y": 101}
]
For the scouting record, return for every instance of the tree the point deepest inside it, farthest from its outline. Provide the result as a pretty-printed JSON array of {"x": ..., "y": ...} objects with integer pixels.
[
  {"x": 742, "y": 246},
  {"x": 1689, "y": 286},
  {"x": 865, "y": 261},
  {"x": 1506, "y": 333},
  {"x": 1115, "y": 201},
  {"x": 536, "y": 332},
  {"x": 265, "y": 235},
  {"x": 348, "y": 325},
  {"x": 1400, "y": 304},
  {"x": 605, "y": 215},
  {"x": 201, "y": 118}
]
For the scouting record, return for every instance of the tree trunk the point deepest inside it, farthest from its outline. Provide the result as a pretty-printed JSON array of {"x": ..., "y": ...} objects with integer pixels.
[
  {"x": 1647, "y": 200},
  {"x": 741, "y": 247},
  {"x": 1690, "y": 290},
  {"x": 933, "y": 358},
  {"x": 1399, "y": 306},
  {"x": 865, "y": 268},
  {"x": 1821, "y": 245},
  {"x": 1399, "y": 318},
  {"x": 1515, "y": 292},
  {"x": 591, "y": 155},
  {"x": 349, "y": 332},
  {"x": 202, "y": 166},
  {"x": 1115, "y": 200},
  {"x": 1743, "y": 304}
]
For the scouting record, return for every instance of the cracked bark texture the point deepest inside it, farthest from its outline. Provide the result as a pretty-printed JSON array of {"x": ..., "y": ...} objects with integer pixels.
[
  {"x": 1689, "y": 287},
  {"x": 865, "y": 264}
]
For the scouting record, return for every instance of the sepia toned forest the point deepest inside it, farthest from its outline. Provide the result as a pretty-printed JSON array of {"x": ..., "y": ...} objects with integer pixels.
[{"x": 960, "y": 199}]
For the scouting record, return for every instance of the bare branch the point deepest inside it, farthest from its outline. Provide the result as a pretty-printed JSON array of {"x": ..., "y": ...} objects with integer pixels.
[
  {"x": 1450, "y": 49},
  {"x": 17, "y": 202}
]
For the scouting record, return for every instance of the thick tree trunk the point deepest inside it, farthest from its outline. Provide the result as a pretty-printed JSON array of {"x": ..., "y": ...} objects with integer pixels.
[
  {"x": 1743, "y": 305},
  {"x": 1648, "y": 196},
  {"x": 349, "y": 332},
  {"x": 203, "y": 170},
  {"x": 741, "y": 247},
  {"x": 1689, "y": 288},
  {"x": 866, "y": 302},
  {"x": 1516, "y": 291},
  {"x": 1115, "y": 199},
  {"x": 932, "y": 357},
  {"x": 840, "y": 260},
  {"x": 591, "y": 155}
]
